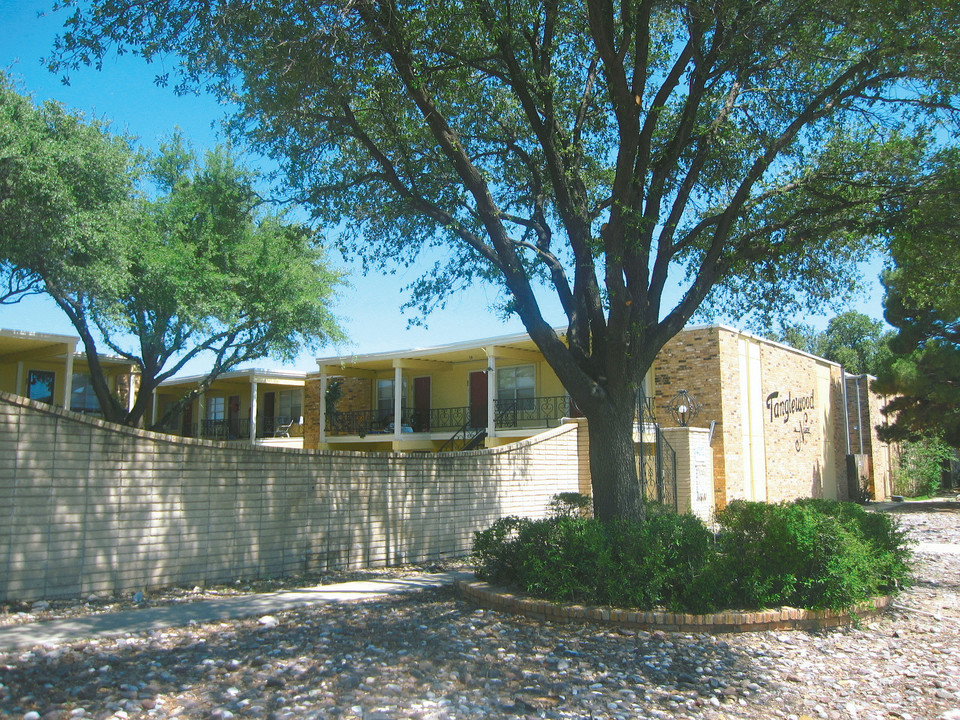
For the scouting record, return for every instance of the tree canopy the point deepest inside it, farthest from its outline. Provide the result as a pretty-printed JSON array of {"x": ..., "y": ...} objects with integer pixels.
[
  {"x": 65, "y": 186},
  {"x": 923, "y": 303},
  {"x": 194, "y": 268},
  {"x": 637, "y": 159},
  {"x": 852, "y": 339}
]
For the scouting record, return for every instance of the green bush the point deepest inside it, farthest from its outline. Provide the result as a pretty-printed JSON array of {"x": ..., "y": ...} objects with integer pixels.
[
  {"x": 661, "y": 562},
  {"x": 920, "y": 466},
  {"x": 808, "y": 553},
  {"x": 571, "y": 503}
]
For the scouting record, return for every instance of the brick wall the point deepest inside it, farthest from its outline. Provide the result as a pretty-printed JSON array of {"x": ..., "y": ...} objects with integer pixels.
[
  {"x": 701, "y": 362},
  {"x": 89, "y": 507},
  {"x": 793, "y": 438},
  {"x": 694, "y": 470},
  {"x": 863, "y": 429},
  {"x": 755, "y": 457},
  {"x": 356, "y": 394}
]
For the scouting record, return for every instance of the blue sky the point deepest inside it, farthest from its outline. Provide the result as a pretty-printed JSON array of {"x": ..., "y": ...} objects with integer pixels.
[{"x": 124, "y": 93}]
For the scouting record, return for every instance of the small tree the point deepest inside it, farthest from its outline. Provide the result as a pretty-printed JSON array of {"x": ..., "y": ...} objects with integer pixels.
[
  {"x": 199, "y": 270},
  {"x": 852, "y": 339}
]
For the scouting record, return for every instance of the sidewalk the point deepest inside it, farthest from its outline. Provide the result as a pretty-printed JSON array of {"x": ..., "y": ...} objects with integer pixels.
[{"x": 15, "y": 637}]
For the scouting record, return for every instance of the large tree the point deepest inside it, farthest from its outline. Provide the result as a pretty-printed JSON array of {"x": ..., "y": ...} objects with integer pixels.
[
  {"x": 923, "y": 303},
  {"x": 739, "y": 151},
  {"x": 195, "y": 269}
]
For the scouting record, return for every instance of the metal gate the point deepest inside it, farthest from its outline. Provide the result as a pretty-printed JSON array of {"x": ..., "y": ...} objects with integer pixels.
[{"x": 656, "y": 459}]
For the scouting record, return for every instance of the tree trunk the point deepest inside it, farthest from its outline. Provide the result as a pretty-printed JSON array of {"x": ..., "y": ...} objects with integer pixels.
[{"x": 613, "y": 466}]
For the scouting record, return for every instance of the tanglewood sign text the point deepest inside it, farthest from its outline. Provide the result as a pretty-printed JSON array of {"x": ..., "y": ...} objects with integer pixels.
[
  {"x": 790, "y": 405},
  {"x": 782, "y": 409}
]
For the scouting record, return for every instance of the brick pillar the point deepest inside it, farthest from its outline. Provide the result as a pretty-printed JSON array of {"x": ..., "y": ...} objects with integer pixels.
[{"x": 695, "y": 492}]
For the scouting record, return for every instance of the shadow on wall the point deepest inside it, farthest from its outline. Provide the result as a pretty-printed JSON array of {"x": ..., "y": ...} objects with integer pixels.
[
  {"x": 92, "y": 507},
  {"x": 816, "y": 483}
]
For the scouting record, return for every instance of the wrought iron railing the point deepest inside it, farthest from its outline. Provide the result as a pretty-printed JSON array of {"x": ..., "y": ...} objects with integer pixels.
[
  {"x": 533, "y": 412},
  {"x": 371, "y": 422},
  {"x": 232, "y": 429},
  {"x": 443, "y": 419},
  {"x": 645, "y": 409},
  {"x": 657, "y": 461},
  {"x": 658, "y": 471},
  {"x": 522, "y": 413}
]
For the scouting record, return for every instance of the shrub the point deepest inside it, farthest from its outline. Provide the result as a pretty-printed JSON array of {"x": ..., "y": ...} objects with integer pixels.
[
  {"x": 571, "y": 503},
  {"x": 661, "y": 562},
  {"x": 808, "y": 553},
  {"x": 920, "y": 466}
]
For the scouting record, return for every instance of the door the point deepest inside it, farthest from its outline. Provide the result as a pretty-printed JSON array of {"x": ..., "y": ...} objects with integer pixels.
[
  {"x": 421, "y": 404},
  {"x": 478, "y": 399},
  {"x": 188, "y": 420},
  {"x": 269, "y": 414},
  {"x": 233, "y": 416}
]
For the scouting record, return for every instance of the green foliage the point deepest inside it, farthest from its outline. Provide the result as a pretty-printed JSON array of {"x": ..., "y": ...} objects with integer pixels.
[
  {"x": 920, "y": 466},
  {"x": 659, "y": 562},
  {"x": 65, "y": 188},
  {"x": 922, "y": 302},
  {"x": 808, "y": 553},
  {"x": 851, "y": 339},
  {"x": 573, "y": 504}
]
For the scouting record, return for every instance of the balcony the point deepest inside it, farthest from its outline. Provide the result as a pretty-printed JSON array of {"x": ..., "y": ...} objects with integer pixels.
[
  {"x": 235, "y": 429},
  {"x": 375, "y": 422},
  {"x": 532, "y": 413}
]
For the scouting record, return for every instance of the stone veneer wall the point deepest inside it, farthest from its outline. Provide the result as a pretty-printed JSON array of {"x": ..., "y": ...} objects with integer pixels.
[{"x": 88, "y": 507}]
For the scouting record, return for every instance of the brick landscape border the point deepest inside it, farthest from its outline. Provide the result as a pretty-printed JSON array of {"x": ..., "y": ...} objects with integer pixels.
[{"x": 785, "y": 618}]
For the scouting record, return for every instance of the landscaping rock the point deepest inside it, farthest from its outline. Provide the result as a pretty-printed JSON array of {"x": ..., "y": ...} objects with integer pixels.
[{"x": 432, "y": 655}]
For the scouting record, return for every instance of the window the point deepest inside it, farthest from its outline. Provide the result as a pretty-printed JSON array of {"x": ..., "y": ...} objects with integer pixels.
[
  {"x": 82, "y": 397},
  {"x": 385, "y": 398},
  {"x": 216, "y": 408},
  {"x": 517, "y": 383},
  {"x": 289, "y": 405},
  {"x": 40, "y": 385}
]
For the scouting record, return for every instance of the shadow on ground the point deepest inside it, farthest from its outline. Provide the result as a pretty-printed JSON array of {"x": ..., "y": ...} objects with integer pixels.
[{"x": 401, "y": 656}]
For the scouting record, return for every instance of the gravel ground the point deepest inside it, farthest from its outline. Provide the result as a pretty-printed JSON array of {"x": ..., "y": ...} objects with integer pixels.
[{"x": 432, "y": 655}]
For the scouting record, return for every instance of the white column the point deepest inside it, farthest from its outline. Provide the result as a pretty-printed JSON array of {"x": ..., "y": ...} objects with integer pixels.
[
  {"x": 253, "y": 411},
  {"x": 397, "y": 399},
  {"x": 323, "y": 406},
  {"x": 201, "y": 412},
  {"x": 68, "y": 379},
  {"x": 153, "y": 409},
  {"x": 130, "y": 392},
  {"x": 491, "y": 395}
]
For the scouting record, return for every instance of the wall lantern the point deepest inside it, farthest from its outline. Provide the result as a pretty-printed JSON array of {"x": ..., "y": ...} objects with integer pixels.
[{"x": 684, "y": 408}]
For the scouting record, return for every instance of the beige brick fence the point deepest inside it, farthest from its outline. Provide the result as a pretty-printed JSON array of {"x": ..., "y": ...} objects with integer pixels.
[{"x": 87, "y": 507}]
